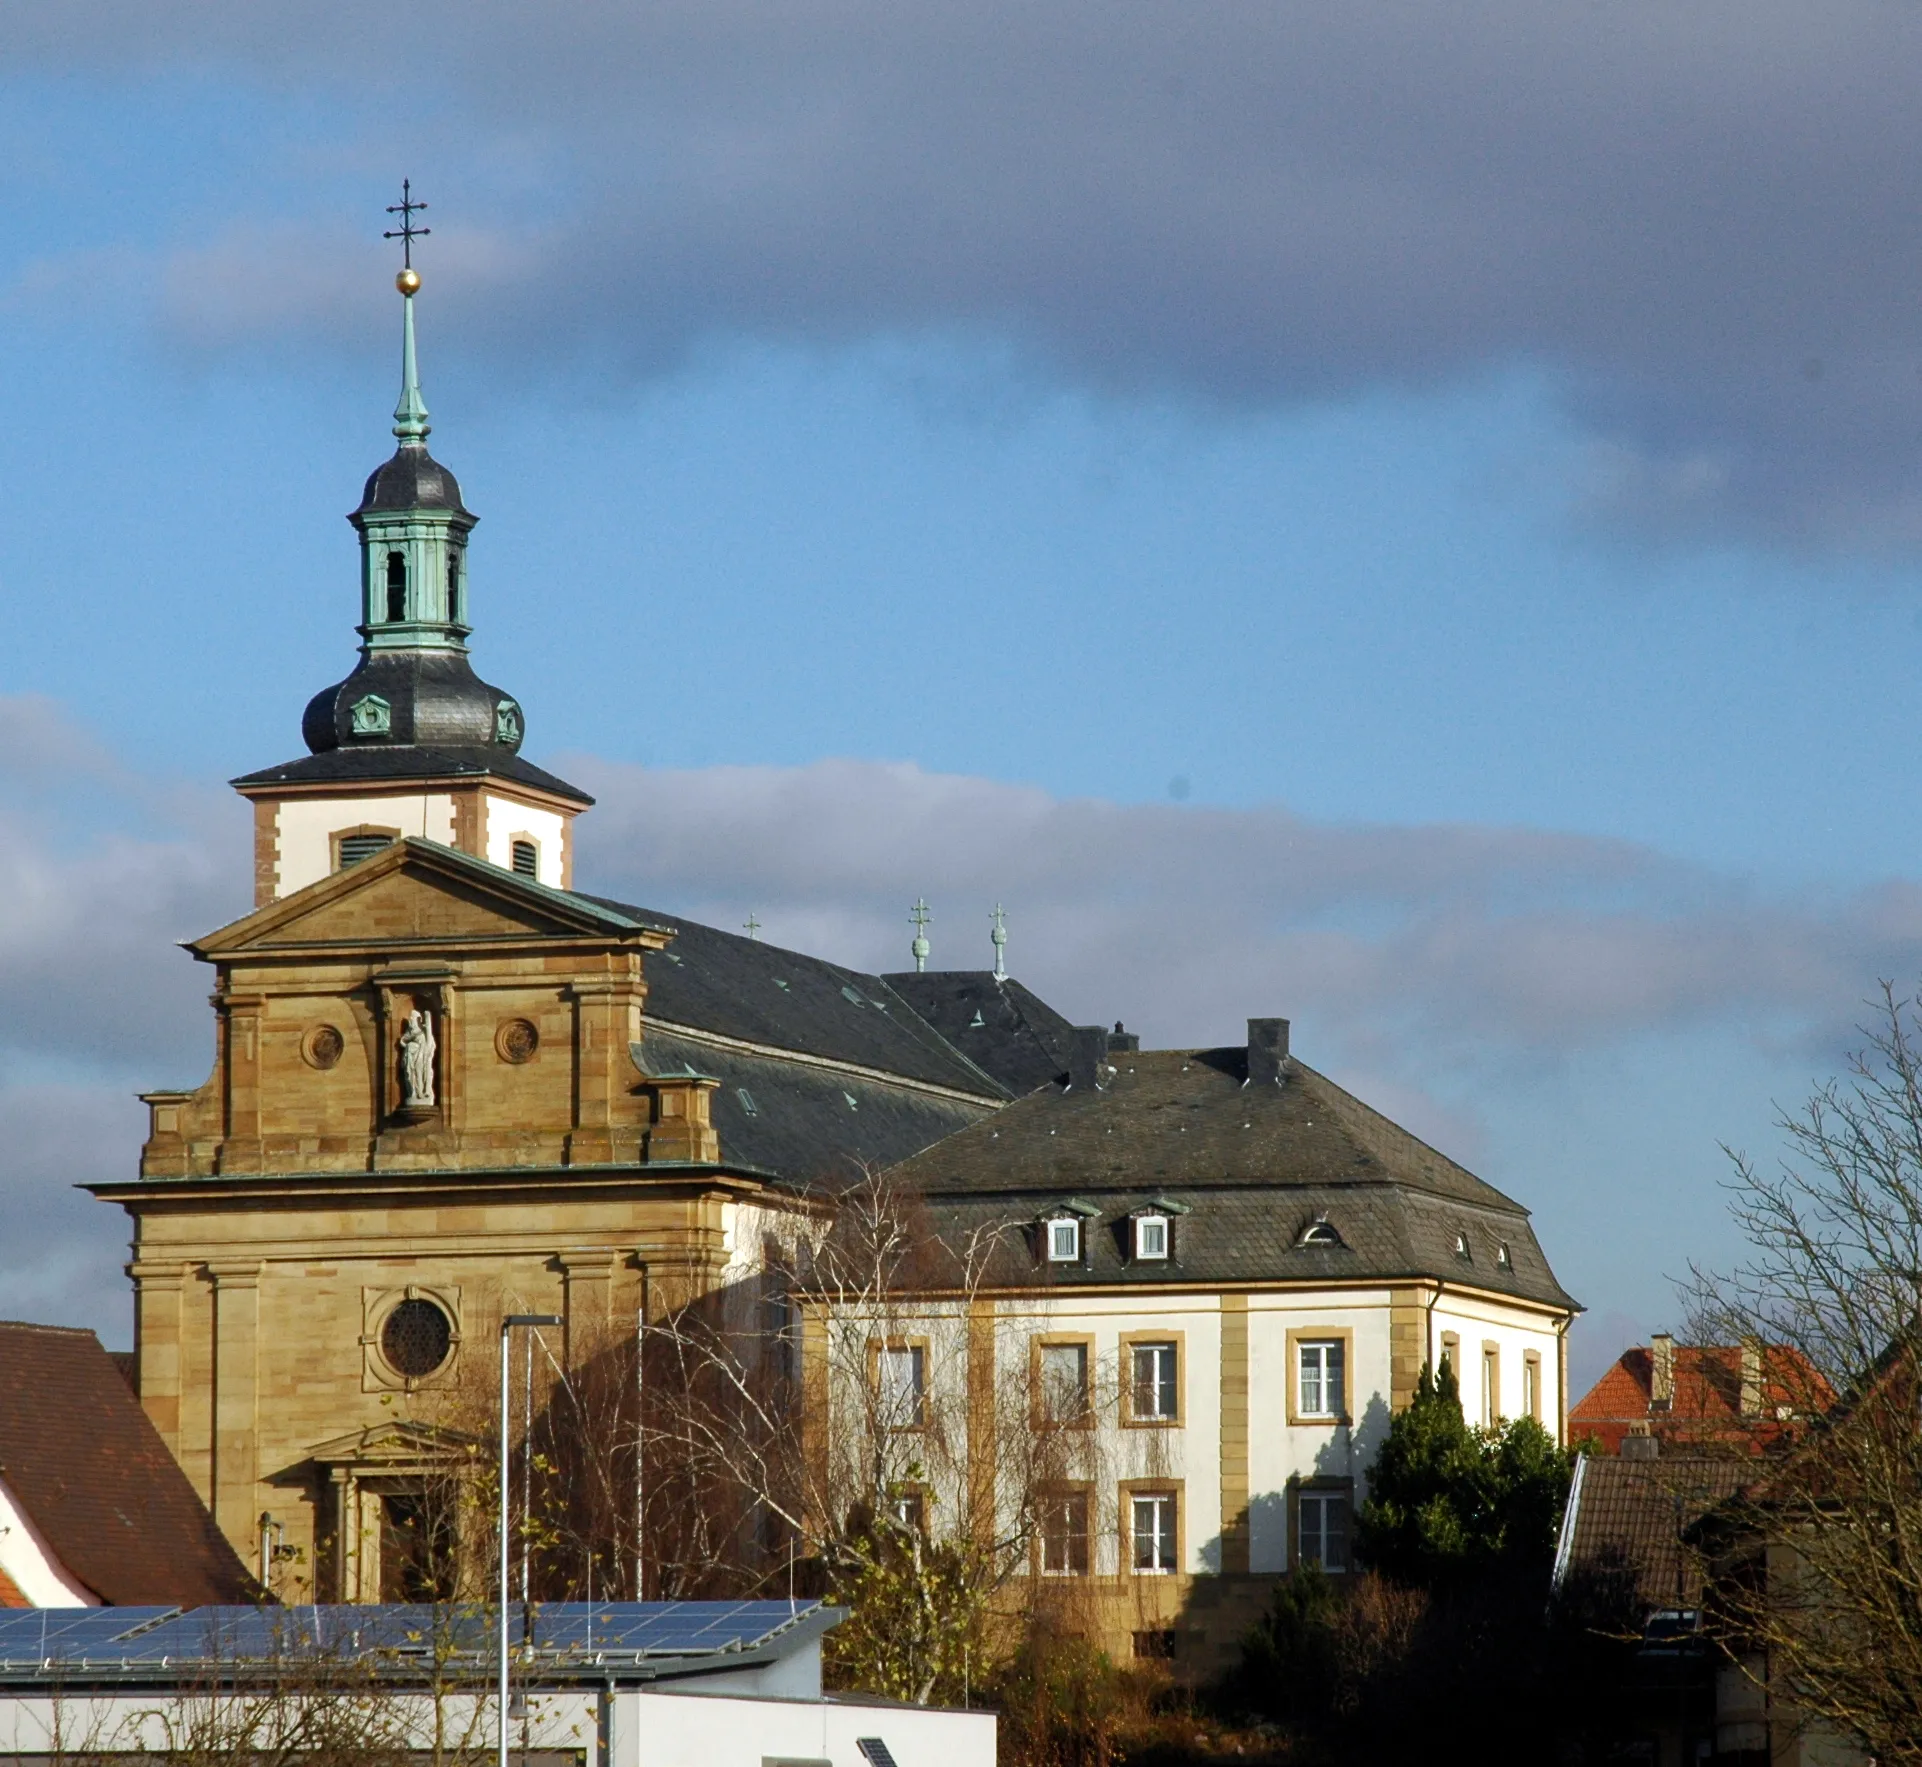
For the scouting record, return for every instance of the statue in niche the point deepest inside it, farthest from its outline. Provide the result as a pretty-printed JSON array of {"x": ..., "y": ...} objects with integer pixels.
[{"x": 417, "y": 1061}]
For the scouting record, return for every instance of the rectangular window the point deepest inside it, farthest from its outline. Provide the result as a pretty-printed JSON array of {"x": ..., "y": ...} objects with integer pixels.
[
  {"x": 1152, "y": 1390},
  {"x": 911, "y": 1511},
  {"x": 1322, "y": 1529},
  {"x": 1452, "y": 1352},
  {"x": 903, "y": 1386},
  {"x": 1064, "y": 1240},
  {"x": 1064, "y": 1534},
  {"x": 1321, "y": 1379},
  {"x": 1153, "y": 1524},
  {"x": 1491, "y": 1386},
  {"x": 1151, "y": 1237},
  {"x": 1532, "y": 1386},
  {"x": 1064, "y": 1383}
]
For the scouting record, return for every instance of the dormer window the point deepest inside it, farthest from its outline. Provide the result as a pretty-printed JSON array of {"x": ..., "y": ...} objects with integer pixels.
[
  {"x": 1321, "y": 1231},
  {"x": 1502, "y": 1259},
  {"x": 1461, "y": 1248},
  {"x": 1064, "y": 1240},
  {"x": 1151, "y": 1238},
  {"x": 527, "y": 859},
  {"x": 397, "y": 585}
]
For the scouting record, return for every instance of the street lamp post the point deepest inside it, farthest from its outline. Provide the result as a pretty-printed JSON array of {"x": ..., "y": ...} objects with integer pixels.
[{"x": 508, "y": 1322}]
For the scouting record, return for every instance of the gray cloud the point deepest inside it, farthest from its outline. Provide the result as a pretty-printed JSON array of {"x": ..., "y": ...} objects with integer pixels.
[
  {"x": 1445, "y": 938},
  {"x": 1689, "y": 219}
]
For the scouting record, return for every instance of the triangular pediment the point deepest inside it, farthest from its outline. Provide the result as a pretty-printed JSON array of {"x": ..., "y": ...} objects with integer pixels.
[
  {"x": 418, "y": 893},
  {"x": 394, "y": 1443}
]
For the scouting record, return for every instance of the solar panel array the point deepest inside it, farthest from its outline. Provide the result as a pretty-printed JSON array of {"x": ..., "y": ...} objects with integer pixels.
[{"x": 547, "y": 1637}]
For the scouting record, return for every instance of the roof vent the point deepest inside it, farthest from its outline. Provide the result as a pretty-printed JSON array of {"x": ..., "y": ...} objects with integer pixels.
[
  {"x": 1267, "y": 1050},
  {"x": 1088, "y": 1058}
]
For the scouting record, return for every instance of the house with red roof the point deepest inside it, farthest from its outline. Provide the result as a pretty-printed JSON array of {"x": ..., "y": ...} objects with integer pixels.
[
  {"x": 94, "y": 1511},
  {"x": 1702, "y": 1399}
]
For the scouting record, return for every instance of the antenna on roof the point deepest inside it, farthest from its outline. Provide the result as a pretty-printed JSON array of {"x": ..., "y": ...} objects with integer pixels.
[
  {"x": 1000, "y": 937},
  {"x": 751, "y": 926},
  {"x": 920, "y": 916}
]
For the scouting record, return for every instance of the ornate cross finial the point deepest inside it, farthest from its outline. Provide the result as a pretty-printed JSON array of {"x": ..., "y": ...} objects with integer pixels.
[
  {"x": 751, "y": 926},
  {"x": 920, "y": 915},
  {"x": 407, "y": 232},
  {"x": 1000, "y": 937}
]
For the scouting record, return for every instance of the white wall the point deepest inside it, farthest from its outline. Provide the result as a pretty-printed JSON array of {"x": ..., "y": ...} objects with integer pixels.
[
  {"x": 304, "y": 826},
  {"x": 1513, "y": 1331},
  {"x": 674, "y": 1730},
  {"x": 27, "y": 1558},
  {"x": 650, "y": 1728},
  {"x": 506, "y": 818}
]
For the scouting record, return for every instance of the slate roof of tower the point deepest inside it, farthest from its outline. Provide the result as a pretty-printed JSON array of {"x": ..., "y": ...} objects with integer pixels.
[
  {"x": 995, "y": 1022},
  {"x": 755, "y": 993},
  {"x": 1252, "y": 1164},
  {"x": 376, "y": 761},
  {"x": 95, "y": 1478}
]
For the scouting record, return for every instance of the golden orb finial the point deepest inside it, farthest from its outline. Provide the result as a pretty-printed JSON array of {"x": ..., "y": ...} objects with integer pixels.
[{"x": 408, "y": 281}]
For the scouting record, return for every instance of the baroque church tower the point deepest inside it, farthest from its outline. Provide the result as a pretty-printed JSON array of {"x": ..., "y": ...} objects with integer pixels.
[{"x": 413, "y": 742}]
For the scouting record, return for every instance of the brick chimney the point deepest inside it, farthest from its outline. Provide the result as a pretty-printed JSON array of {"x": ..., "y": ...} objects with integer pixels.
[
  {"x": 1088, "y": 1058},
  {"x": 1267, "y": 1050},
  {"x": 1661, "y": 1378},
  {"x": 1751, "y": 1377}
]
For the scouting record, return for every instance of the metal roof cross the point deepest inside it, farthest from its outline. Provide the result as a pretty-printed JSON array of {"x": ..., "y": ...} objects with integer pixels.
[
  {"x": 407, "y": 232},
  {"x": 751, "y": 926},
  {"x": 920, "y": 915}
]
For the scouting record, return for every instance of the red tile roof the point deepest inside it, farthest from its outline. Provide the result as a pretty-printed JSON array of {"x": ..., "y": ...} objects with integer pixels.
[
  {"x": 92, "y": 1473},
  {"x": 1707, "y": 1404},
  {"x": 10, "y": 1595}
]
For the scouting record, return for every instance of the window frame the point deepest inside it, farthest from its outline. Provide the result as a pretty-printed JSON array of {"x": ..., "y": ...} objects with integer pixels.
[
  {"x": 1491, "y": 1384},
  {"x": 1080, "y": 1493},
  {"x": 1130, "y": 1341},
  {"x": 1132, "y": 1491},
  {"x": 1532, "y": 1384},
  {"x": 524, "y": 838},
  {"x": 1299, "y": 1337},
  {"x": 1138, "y": 1224},
  {"x": 1048, "y": 1225},
  {"x": 1037, "y": 1387},
  {"x": 361, "y": 831},
  {"x": 878, "y": 1349},
  {"x": 1319, "y": 1492}
]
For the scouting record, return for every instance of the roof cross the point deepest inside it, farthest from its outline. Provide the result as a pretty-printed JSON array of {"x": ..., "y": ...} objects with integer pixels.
[
  {"x": 1000, "y": 937},
  {"x": 920, "y": 915},
  {"x": 407, "y": 232},
  {"x": 751, "y": 926}
]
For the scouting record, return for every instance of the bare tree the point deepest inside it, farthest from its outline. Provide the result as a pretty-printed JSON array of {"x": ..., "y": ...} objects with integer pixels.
[{"x": 1817, "y": 1569}]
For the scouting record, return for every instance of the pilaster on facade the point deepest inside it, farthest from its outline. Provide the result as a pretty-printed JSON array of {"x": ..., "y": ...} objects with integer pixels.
[
  {"x": 1234, "y": 1433},
  {"x": 158, "y": 1286},
  {"x": 236, "y": 1384}
]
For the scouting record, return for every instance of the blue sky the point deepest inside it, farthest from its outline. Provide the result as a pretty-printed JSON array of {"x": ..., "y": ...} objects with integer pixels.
[{"x": 1449, "y": 578}]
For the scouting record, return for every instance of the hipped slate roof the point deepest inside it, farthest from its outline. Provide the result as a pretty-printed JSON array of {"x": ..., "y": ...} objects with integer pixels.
[
  {"x": 1254, "y": 1163},
  {"x": 97, "y": 1481},
  {"x": 994, "y": 1021},
  {"x": 755, "y": 993}
]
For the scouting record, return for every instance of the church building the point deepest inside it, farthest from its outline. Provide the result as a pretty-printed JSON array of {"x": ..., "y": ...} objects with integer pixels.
[{"x": 449, "y": 1083}]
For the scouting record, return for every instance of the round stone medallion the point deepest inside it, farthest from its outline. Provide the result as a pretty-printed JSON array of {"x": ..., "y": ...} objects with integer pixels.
[
  {"x": 323, "y": 1046},
  {"x": 516, "y": 1040}
]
